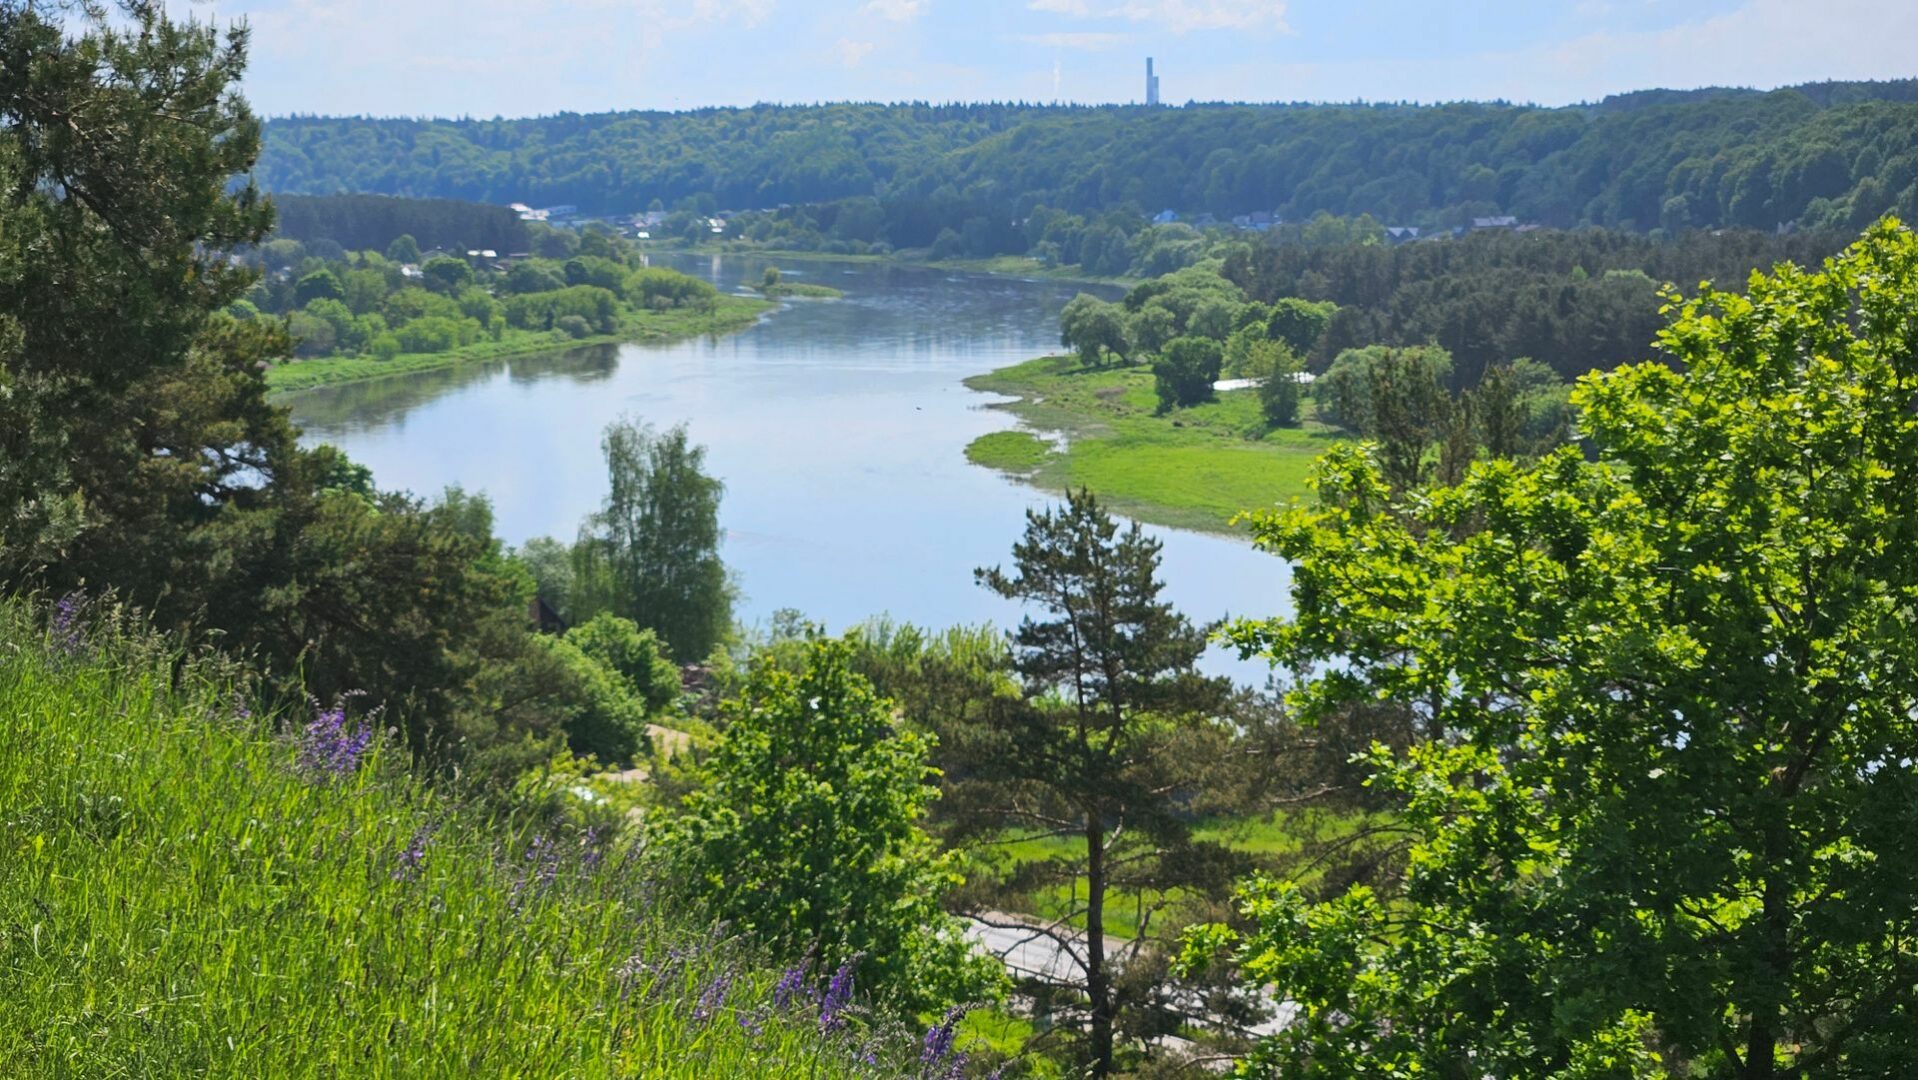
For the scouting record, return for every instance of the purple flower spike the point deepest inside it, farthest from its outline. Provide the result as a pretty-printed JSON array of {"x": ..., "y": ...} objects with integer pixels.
[
  {"x": 65, "y": 624},
  {"x": 790, "y": 987},
  {"x": 328, "y": 748},
  {"x": 838, "y": 995},
  {"x": 714, "y": 996}
]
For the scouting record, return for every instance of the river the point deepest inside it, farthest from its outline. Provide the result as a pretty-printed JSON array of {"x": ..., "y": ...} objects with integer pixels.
[{"x": 838, "y": 427}]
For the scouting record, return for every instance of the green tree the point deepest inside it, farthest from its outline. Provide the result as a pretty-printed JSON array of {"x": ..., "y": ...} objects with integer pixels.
[
  {"x": 807, "y": 834},
  {"x": 1670, "y": 811},
  {"x": 1092, "y": 328},
  {"x": 1298, "y": 322},
  {"x": 1279, "y": 393},
  {"x": 1184, "y": 373},
  {"x": 404, "y": 249},
  {"x": 1114, "y": 731},
  {"x": 321, "y": 284},
  {"x": 651, "y": 554},
  {"x": 446, "y": 275}
]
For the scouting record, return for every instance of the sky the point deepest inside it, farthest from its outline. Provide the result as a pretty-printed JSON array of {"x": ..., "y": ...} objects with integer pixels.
[{"x": 519, "y": 58}]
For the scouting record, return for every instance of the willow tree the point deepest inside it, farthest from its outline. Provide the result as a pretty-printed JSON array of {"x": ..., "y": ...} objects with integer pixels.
[{"x": 1668, "y": 829}]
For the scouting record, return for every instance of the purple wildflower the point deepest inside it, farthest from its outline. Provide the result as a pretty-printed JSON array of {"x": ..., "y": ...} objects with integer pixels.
[
  {"x": 752, "y": 1021},
  {"x": 714, "y": 996},
  {"x": 937, "y": 1046},
  {"x": 328, "y": 748},
  {"x": 791, "y": 986},
  {"x": 838, "y": 995},
  {"x": 65, "y": 624},
  {"x": 413, "y": 856}
]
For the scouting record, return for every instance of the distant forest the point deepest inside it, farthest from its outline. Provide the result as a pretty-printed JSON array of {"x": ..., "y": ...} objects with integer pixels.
[{"x": 1834, "y": 155}]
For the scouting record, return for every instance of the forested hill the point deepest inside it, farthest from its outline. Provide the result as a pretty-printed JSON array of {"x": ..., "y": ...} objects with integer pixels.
[{"x": 1829, "y": 154}]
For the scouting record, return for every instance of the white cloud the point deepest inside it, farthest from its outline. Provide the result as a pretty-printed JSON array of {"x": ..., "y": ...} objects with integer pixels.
[
  {"x": 1765, "y": 43},
  {"x": 898, "y": 10},
  {"x": 852, "y": 52},
  {"x": 1090, "y": 42},
  {"x": 1180, "y": 16}
]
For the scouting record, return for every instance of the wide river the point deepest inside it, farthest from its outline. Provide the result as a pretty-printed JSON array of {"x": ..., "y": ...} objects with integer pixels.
[{"x": 838, "y": 427}]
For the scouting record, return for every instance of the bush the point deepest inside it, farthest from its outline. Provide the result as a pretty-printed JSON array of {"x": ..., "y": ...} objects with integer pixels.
[
  {"x": 432, "y": 334},
  {"x": 1185, "y": 372},
  {"x": 573, "y": 326}
]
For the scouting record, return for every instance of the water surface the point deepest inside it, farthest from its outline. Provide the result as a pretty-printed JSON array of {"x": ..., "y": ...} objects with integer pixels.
[{"x": 838, "y": 427}]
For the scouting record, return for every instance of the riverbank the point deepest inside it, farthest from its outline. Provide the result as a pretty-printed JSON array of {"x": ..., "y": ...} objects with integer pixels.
[
  {"x": 730, "y": 314},
  {"x": 1194, "y": 468}
]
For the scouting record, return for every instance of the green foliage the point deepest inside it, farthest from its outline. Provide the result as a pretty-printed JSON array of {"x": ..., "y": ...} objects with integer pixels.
[
  {"x": 651, "y": 554},
  {"x": 1184, "y": 373},
  {"x": 1348, "y": 391},
  {"x": 319, "y": 285},
  {"x": 396, "y": 226},
  {"x": 1280, "y": 392},
  {"x": 1666, "y": 804},
  {"x": 636, "y": 655},
  {"x": 403, "y": 249},
  {"x": 1299, "y": 323},
  {"x": 447, "y": 275},
  {"x": 660, "y": 287},
  {"x": 181, "y": 896},
  {"x": 807, "y": 834},
  {"x": 1093, "y": 328},
  {"x": 597, "y": 308}
]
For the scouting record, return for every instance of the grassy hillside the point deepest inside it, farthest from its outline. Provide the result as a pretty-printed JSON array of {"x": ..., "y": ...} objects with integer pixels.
[{"x": 183, "y": 895}]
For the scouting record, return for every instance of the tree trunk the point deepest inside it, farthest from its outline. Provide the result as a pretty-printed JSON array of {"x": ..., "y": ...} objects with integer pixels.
[
  {"x": 1762, "y": 1040},
  {"x": 1098, "y": 988}
]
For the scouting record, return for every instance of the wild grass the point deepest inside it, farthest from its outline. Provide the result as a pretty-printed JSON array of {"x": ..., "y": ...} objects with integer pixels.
[
  {"x": 1011, "y": 451},
  {"x": 1193, "y": 468},
  {"x": 183, "y": 895},
  {"x": 729, "y": 315}
]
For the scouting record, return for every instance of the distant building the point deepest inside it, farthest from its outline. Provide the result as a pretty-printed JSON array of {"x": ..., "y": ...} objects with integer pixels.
[
  {"x": 1165, "y": 217},
  {"x": 1151, "y": 84},
  {"x": 1507, "y": 222},
  {"x": 1399, "y": 234}
]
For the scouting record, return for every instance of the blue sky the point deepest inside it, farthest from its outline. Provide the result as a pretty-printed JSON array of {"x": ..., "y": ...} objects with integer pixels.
[{"x": 496, "y": 57}]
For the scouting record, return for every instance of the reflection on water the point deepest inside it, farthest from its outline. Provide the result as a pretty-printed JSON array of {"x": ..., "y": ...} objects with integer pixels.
[{"x": 839, "y": 428}]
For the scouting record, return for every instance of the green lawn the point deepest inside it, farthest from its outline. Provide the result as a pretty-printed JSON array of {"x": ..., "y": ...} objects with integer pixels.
[
  {"x": 732, "y": 313},
  {"x": 1193, "y": 468}
]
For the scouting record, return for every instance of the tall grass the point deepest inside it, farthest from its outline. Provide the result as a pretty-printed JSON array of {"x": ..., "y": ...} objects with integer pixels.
[{"x": 184, "y": 895}]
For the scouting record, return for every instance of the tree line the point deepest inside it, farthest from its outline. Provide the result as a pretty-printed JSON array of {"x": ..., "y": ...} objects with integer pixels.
[{"x": 1824, "y": 155}]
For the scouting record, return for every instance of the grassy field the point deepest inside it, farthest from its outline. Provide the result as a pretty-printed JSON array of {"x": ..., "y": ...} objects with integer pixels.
[
  {"x": 1193, "y": 468},
  {"x": 733, "y": 313},
  {"x": 182, "y": 894}
]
